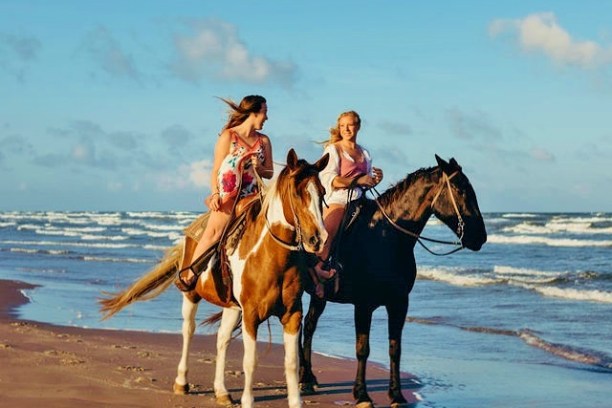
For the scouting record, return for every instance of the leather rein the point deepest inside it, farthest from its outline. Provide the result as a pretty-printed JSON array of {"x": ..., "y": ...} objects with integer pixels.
[{"x": 419, "y": 238}]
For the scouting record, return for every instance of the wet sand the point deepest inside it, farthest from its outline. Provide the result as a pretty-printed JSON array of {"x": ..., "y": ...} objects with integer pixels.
[{"x": 57, "y": 366}]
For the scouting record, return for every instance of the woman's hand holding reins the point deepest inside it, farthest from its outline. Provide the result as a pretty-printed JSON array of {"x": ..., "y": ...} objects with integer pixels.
[{"x": 370, "y": 180}]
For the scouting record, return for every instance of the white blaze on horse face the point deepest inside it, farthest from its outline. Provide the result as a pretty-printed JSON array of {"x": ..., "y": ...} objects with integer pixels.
[{"x": 315, "y": 209}]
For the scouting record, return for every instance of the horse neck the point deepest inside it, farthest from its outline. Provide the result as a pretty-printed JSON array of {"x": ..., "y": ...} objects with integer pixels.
[{"x": 409, "y": 201}]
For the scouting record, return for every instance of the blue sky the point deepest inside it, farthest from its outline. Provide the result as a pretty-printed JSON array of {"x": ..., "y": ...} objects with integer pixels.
[{"x": 111, "y": 105}]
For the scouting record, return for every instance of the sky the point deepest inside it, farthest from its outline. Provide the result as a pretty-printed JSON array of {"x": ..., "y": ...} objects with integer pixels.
[{"x": 114, "y": 105}]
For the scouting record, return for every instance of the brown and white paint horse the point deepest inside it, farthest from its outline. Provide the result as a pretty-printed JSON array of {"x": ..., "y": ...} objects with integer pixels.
[{"x": 266, "y": 265}]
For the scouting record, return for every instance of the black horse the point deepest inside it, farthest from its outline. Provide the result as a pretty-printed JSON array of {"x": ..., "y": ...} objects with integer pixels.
[{"x": 379, "y": 269}]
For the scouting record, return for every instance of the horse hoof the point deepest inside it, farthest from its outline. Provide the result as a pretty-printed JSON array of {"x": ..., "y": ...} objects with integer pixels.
[
  {"x": 307, "y": 389},
  {"x": 225, "y": 400},
  {"x": 180, "y": 389},
  {"x": 364, "y": 404}
]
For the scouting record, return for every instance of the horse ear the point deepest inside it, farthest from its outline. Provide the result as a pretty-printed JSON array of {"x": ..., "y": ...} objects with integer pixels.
[
  {"x": 441, "y": 162},
  {"x": 292, "y": 158},
  {"x": 322, "y": 162},
  {"x": 454, "y": 163}
]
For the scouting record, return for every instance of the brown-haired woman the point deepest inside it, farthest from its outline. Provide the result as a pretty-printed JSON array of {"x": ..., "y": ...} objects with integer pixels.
[{"x": 240, "y": 151}]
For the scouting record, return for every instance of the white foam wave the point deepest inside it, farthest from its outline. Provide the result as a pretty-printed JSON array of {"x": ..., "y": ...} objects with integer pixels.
[
  {"x": 556, "y": 242},
  {"x": 39, "y": 251},
  {"x": 455, "y": 277},
  {"x": 526, "y": 275},
  {"x": 139, "y": 232},
  {"x": 566, "y": 352},
  {"x": 557, "y": 226},
  {"x": 71, "y": 244},
  {"x": 572, "y": 294},
  {"x": 120, "y": 260},
  {"x": 155, "y": 247},
  {"x": 519, "y": 215},
  {"x": 7, "y": 224},
  {"x": 87, "y": 237},
  {"x": 158, "y": 227}
]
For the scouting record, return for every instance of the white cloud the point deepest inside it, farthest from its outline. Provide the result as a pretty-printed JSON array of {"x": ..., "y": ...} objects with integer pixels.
[
  {"x": 195, "y": 174},
  {"x": 214, "y": 49},
  {"x": 199, "y": 173},
  {"x": 540, "y": 33}
]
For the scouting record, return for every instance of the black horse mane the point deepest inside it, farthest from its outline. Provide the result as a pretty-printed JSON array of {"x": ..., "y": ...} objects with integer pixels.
[{"x": 397, "y": 190}]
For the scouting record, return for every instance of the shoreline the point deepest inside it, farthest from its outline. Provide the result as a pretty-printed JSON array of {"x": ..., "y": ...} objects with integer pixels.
[{"x": 58, "y": 366}]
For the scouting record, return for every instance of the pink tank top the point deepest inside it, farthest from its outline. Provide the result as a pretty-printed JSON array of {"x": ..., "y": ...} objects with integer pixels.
[{"x": 351, "y": 168}]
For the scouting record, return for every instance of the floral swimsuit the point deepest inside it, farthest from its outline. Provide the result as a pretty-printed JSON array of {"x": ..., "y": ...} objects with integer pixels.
[{"x": 237, "y": 161}]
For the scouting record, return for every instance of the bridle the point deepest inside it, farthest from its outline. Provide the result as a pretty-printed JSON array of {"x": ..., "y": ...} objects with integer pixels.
[
  {"x": 419, "y": 238},
  {"x": 298, "y": 246},
  {"x": 446, "y": 183}
]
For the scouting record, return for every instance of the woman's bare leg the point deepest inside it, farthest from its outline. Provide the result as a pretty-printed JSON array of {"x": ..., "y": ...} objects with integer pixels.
[
  {"x": 214, "y": 228},
  {"x": 332, "y": 218}
]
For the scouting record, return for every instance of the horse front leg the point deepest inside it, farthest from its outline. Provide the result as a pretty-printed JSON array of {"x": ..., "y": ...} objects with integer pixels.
[
  {"x": 363, "y": 322},
  {"x": 291, "y": 339},
  {"x": 397, "y": 317},
  {"x": 229, "y": 319},
  {"x": 188, "y": 310},
  {"x": 308, "y": 381}
]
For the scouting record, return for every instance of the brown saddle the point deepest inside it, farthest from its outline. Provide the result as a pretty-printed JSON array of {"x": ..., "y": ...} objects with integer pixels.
[{"x": 217, "y": 254}]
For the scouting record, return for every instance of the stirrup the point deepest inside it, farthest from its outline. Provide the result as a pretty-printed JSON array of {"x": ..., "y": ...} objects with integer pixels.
[{"x": 183, "y": 283}]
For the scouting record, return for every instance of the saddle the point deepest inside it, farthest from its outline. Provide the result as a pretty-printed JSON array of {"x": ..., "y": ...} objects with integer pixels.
[{"x": 217, "y": 254}]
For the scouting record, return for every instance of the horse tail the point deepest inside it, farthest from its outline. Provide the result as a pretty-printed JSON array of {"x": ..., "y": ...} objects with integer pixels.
[
  {"x": 212, "y": 319},
  {"x": 216, "y": 318},
  {"x": 147, "y": 287}
]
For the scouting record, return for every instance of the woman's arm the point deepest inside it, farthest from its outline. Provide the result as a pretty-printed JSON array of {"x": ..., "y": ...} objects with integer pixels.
[
  {"x": 221, "y": 150},
  {"x": 266, "y": 168}
]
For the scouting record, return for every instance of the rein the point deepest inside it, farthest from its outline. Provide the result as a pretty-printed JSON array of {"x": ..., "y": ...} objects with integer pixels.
[{"x": 419, "y": 238}]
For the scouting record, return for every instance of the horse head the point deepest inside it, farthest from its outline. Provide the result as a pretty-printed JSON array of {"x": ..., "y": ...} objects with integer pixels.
[
  {"x": 301, "y": 194},
  {"x": 455, "y": 204}
]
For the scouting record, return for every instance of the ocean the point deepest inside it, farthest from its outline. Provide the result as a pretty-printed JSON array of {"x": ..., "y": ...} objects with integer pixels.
[{"x": 526, "y": 321}]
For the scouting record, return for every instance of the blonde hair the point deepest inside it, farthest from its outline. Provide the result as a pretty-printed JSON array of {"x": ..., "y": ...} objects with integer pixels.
[
  {"x": 239, "y": 113},
  {"x": 334, "y": 132}
]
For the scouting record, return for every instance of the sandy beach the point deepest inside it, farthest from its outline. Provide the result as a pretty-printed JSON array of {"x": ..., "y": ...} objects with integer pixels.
[{"x": 56, "y": 366}]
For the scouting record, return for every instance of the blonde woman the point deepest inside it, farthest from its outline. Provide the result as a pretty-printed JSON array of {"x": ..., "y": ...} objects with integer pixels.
[{"x": 350, "y": 164}]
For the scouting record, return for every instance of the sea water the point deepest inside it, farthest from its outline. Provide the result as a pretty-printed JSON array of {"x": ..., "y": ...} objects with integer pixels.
[{"x": 525, "y": 321}]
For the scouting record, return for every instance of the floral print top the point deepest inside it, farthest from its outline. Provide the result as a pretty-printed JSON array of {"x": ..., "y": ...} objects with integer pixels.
[{"x": 239, "y": 155}]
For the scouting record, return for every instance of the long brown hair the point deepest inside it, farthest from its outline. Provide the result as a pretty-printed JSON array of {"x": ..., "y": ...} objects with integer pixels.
[
  {"x": 334, "y": 132},
  {"x": 239, "y": 113}
]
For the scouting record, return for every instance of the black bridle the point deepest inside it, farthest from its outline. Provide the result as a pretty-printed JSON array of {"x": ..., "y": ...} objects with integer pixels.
[{"x": 419, "y": 238}]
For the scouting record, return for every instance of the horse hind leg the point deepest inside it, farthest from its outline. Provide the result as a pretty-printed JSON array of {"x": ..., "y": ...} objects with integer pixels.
[
  {"x": 229, "y": 320},
  {"x": 189, "y": 309}
]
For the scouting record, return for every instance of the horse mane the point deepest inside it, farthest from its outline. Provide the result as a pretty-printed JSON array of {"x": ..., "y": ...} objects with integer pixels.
[{"x": 393, "y": 193}]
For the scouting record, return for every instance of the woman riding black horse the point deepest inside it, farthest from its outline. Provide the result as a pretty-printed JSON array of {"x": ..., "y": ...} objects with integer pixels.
[{"x": 378, "y": 262}]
